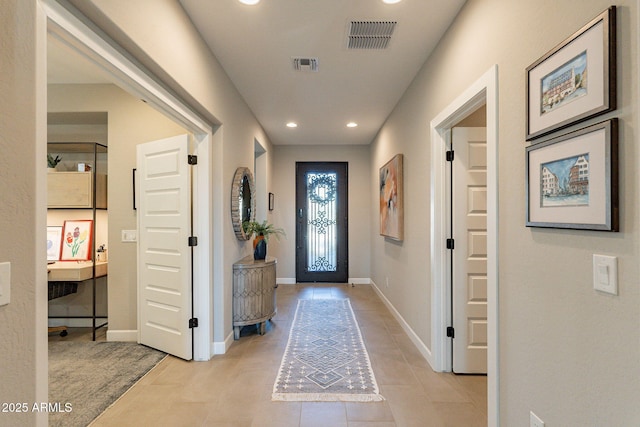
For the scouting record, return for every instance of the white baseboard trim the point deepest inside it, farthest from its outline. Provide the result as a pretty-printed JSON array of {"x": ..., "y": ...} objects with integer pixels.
[
  {"x": 123, "y": 336},
  {"x": 420, "y": 345},
  {"x": 286, "y": 280},
  {"x": 221, "y": 347}
]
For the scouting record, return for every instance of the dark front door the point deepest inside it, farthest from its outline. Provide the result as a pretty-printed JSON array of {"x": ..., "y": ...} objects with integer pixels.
[{"x": 321, "y": 216}]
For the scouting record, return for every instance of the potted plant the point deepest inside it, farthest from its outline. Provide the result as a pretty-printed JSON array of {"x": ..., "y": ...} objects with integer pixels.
[
  {"x": 262, "y": 232},
  {"x": 52, "y": 162}
]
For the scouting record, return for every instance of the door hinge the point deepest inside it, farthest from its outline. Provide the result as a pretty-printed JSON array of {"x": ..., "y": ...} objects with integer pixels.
[
  {"x": 450, "y": 156},
  {"x": 193, "y": 241},
  {"x": 450, "y": 332},
  {"x": 193, "y": 323},
  {"x": 192, "y": 160},
  {"x": 450, "y": 244}
]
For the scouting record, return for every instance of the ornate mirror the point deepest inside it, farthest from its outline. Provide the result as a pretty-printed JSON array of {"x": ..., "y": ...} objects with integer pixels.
[{"x": 243, "y": 202}]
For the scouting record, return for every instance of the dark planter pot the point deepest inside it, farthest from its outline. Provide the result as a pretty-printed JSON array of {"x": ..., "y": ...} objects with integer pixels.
[{"x": 259, "y": 248}]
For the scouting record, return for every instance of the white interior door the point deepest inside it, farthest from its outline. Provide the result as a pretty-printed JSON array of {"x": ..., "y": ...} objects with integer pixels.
[
  {"x": 164, "y": 254},
  {"x": 470, "y": 253}
]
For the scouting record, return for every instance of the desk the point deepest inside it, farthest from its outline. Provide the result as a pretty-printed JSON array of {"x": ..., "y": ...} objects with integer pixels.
[
  {"x": 75, "y": 271},
  {"x": 64, "y": 277}
]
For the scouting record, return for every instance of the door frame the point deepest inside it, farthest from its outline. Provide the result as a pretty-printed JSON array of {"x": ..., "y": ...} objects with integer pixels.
[
  {"x": 97, "y": 49},
  {"x": 482, "y": 91}
]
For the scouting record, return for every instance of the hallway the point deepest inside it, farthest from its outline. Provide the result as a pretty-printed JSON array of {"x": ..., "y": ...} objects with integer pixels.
[{"x": 234, "y": 389}]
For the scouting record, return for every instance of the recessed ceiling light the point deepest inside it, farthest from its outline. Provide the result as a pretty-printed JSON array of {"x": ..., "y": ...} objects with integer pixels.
[
  {"x": 249, "y": 2},
  {"x": 352, "y": 124},
  {"x": 292, "y": 125},
  {"x": 387, "y": 1}
]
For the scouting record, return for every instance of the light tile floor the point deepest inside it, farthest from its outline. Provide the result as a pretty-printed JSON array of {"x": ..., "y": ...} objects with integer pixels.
[{"x": 234, "y": 389}]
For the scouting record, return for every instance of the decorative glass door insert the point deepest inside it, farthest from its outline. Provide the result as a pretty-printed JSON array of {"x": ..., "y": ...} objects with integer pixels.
[
  {"x": 321, "y": 236},
  {"x": 321, "y": 221}
]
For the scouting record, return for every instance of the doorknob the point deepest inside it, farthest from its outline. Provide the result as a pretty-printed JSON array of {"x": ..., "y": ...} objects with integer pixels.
[{"x": 300, "y": 213}]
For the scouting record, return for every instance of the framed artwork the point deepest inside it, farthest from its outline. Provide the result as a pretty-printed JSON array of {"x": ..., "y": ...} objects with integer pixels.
[
  {"x": 391, "y": 199},
  {"x": 54, "y": 238},
  {"x": 77, "y": 239},
  {"x": 572, "y": 180},
  {"x": 272, "y": 199},
  {"x": 574, "y": 81}
]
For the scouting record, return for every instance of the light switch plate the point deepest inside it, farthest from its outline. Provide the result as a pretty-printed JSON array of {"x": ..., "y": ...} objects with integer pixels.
[
  {"x": 605, "y": 274},
  {"x": 5, "y": 283},
  {"x": 129, "y": 235}
]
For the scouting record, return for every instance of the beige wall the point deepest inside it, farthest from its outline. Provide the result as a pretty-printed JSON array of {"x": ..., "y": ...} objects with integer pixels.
[
  {"x": 129, "y": 122},
  {"x": 359, "y": 215},
  {"x": 23, "y": 322},
  {"x": 567, "y": 353}
]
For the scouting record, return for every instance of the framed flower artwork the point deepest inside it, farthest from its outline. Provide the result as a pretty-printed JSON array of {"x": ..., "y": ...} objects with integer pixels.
[{"x": 77, "y": 239}]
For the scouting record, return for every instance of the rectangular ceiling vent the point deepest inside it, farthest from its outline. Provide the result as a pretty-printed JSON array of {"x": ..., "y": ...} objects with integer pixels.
[
  {"x": 370, "y": 34},
  {"x": 306, "y": 64}
]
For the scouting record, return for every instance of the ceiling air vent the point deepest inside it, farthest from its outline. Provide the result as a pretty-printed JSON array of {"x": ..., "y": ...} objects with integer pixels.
[
  {"x": 305, "y": 64},
  {"x": 370, "y": 34}
]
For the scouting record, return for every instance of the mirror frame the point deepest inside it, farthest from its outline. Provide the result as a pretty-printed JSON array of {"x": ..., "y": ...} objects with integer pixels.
[{"x": 241, "y": 174}]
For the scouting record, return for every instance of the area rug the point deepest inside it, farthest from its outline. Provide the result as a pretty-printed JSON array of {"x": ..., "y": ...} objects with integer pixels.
[
  {"x": 325, "y": 359},
  {"x": 85, "y": 378}
]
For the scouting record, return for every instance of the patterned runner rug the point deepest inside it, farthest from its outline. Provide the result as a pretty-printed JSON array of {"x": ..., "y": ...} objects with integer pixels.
[{"x": 325, "y": 358}]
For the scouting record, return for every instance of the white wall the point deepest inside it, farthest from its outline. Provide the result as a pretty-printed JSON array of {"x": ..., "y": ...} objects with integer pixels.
[
  {"x": 567, "y": 352},
  {"x": 360, "y": 216}
]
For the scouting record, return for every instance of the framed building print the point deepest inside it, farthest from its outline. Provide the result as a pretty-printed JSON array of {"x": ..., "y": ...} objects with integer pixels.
[
  {"x": 77, "y": 239},
  {"x": 391, "y": 199},
  {"x": 574, "y": 81},
  {"x": 572, "y": 180}
]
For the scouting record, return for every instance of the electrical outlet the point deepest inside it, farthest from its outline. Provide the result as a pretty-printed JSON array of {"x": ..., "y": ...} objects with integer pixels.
[
  {"x": 534, "y": 421},
  {"x": 387, "y": 279}
]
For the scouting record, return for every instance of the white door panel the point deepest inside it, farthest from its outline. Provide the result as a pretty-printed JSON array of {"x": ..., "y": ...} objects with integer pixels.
[
  {"x": 470, "y": 253},
  {"x": 164, "y": 254}
]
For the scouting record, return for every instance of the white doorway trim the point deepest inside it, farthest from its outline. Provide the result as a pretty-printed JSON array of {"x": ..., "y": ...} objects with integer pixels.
[
  {"x": 483, "y": 91},
  {"x": 62, "y": 24}
]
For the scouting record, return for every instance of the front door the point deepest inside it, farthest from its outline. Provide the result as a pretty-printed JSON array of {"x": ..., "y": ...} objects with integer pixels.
[
  {"x": 321, "y": 218},
  {"x": 164, "y": 255},
  {"x": 469, "y": 281}
]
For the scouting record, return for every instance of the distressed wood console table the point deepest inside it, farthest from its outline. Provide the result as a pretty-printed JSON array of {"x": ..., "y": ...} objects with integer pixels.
[{"x": 254, "y": 293}]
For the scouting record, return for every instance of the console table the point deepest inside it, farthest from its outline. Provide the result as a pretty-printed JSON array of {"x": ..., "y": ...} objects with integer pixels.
[{"x": 254, "y": 293}]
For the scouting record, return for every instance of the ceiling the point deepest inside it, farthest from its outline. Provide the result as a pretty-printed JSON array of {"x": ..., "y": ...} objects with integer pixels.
[{"x": 256, "y": 45}]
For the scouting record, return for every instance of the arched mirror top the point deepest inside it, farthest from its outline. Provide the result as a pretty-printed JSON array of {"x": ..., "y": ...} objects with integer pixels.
[{"x": 243, "y": 201}]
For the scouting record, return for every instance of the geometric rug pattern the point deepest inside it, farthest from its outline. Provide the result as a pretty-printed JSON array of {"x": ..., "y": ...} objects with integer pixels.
[{"x": 325, "y": 359}]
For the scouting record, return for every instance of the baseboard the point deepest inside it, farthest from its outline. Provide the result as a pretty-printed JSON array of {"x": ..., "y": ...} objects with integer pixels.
[
  {"x": 286, "y": 281},
  {"x": 123, "y": 336},
  {"x": 420, "y": 345},
  {"x": 221, "y": 347}
]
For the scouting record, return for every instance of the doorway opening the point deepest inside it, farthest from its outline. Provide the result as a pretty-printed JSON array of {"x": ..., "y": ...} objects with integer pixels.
[
  {"x": 322, "y": 222},
  {"x": 484, "y": 91},
  {"x": 93, "y": 48}
]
